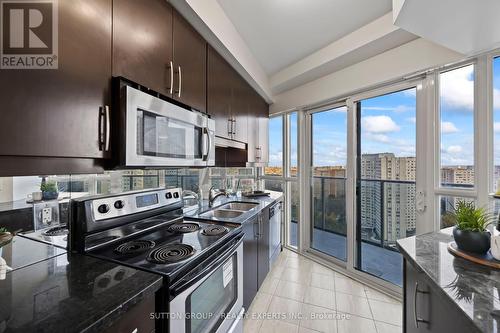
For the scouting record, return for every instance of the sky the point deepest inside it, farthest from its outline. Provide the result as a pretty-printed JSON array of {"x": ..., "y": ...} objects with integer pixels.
[
  {"x": 496, "y": 105},
  {"x": 388, "y": 124}
]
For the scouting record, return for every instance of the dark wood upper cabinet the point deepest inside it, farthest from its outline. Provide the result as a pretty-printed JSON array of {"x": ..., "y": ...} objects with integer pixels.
[
  {"x": 190, "y": 65},
  {"x": 57, "y": 112},
  {"x": 62, "y": 120},
  {"x": 156, "y": 47},
  {"x": 239, "y": 107},
  {"x": 219, "y": 77},
  {"x": 258, "y": 131},
  {"x": 228, "y": 98},
  {"x": 142, "y": 43}
]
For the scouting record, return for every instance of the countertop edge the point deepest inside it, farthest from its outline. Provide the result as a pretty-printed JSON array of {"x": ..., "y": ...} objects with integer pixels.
[
  {"x": 433, "y": 285},
  {"x": 109, "y": 319}
]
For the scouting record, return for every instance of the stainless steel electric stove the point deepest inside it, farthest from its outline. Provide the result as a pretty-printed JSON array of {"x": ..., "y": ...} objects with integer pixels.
[{"x": 200, "y": 260}]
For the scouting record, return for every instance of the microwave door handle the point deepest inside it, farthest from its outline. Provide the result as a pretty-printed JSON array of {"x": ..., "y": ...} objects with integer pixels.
[
  {"x": 205, "y": 148},
  {"x": 209, "y": 143},
  {"x": 108, "y": 128},
  {"x": 182, "y": 285}
]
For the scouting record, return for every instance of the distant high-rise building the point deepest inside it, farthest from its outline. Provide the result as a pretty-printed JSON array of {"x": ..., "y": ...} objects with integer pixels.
[
  {"x": 387, "y": 209},
  {"x": 457, "y": 175}
]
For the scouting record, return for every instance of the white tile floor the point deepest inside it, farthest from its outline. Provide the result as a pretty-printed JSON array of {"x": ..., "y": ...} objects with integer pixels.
[{"x": 301, "y": 296}]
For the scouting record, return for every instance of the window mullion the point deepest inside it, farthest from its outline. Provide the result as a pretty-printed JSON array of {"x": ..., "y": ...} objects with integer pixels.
[{"x": 483, "y": 130}]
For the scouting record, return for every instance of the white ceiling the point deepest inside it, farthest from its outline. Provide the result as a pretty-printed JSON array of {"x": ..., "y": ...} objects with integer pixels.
[{"x": 282, "y": 32}]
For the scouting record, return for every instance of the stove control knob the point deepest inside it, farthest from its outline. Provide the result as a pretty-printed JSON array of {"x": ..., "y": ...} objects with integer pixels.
[
  {"x": 119, "y": 204},
  {"x": 168, "y": 195},
  {"x": 103, "y": 209},
  {"x": 176, "y": 195}
]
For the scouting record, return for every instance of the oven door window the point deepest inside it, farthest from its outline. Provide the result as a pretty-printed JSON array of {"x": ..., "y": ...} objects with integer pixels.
[
  {"x": 212, "y": 299},
  {"x": 167, "y": 137}
]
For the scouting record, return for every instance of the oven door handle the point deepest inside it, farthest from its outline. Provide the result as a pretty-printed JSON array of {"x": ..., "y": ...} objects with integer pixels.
[{"x": 183, "y": 284}]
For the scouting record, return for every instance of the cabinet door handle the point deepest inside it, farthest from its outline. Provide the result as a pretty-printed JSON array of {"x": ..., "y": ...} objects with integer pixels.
[
  {"x": 256, "y": 233},
  {"x": 229, "y": 127},
  {"x": 260, "y": 227},
  {"x": 180, "y": 82},
  {"x": 104, "y": 128},
  {"x": 171, "y": 68},
  {"x": 234, "y": 126},
  {"x": 415, "y": 294},
  {"x": 258, "y": 153}
]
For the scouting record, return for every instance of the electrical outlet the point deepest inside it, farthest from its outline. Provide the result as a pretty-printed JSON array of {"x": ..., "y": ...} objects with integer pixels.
[{"x": 47, "y": 215}]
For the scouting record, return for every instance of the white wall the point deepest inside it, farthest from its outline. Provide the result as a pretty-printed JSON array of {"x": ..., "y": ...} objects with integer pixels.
[{"x": 412, "y": 57}]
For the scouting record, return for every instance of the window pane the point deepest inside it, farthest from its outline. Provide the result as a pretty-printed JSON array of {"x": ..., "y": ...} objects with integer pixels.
[
  {"x": 386, "y": 201},
  {"x": 329, "y": 157},
  {"x": 293, "y": 144},
  {"x": 496, "y": 120},
  {"x": 275, "y": 165},
  {"x": 447, "y": 204},
  {"x": 273, "y": 185},
  {"x": 456, "y": 97}
]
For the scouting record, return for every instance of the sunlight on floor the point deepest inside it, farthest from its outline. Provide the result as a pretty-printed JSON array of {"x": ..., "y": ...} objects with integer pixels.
[{"x": 300, "y": 295}]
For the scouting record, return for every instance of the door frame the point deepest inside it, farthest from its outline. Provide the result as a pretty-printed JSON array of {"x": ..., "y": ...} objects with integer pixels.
[
  {"x": 306, "y": 185},
  {"x": 423, "y": 217},
  {"x": 423, "y": 143}
]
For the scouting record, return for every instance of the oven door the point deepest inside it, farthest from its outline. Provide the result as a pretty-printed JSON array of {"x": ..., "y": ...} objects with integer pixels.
[
  {"x": 211, "y": 301},
  {"x": 159, "y": 133}
]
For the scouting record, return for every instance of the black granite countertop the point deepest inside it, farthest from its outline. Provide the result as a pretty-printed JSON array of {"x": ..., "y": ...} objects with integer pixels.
[
  {"x": 262, "y": 203},
  {"x": 473, "y": 288},
  {"x": 71, "y": 293},
  {"x": 21, "y": 252}
]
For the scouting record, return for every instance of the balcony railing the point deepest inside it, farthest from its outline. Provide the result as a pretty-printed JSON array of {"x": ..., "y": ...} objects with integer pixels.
[{"x": 387, "y": 208}]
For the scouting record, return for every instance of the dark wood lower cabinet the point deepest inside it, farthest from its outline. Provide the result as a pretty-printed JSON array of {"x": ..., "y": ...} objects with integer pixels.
[
  {"x": 427, "y": 310},
  {"x": 263, "y": 230},
  {"x": 255, "y": 255},
  {"x": 250, "y": 261},
  {"x": 137, "y": 319}
]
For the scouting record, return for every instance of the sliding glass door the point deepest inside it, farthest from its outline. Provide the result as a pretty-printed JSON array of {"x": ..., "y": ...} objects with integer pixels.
[
  {"x": 386, "y": 181},
  {"x": 328, "y": 182}
]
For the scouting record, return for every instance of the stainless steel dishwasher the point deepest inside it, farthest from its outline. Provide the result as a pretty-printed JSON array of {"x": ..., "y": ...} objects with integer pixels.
[{"x": 274, "y": 231}]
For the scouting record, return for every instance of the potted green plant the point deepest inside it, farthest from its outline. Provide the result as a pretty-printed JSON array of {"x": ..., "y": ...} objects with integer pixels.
[
  {"x": 49, "y": 190},
  {"x": 470, "y": 231}
]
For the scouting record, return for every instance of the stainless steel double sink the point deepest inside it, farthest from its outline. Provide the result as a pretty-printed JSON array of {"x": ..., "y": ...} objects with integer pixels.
[{"x": 230, "y": 210}]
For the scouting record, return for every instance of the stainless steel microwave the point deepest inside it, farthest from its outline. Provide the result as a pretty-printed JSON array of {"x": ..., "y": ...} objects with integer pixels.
[{"x": 161, "y": 134}]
